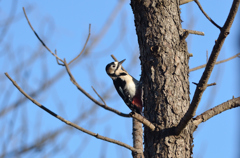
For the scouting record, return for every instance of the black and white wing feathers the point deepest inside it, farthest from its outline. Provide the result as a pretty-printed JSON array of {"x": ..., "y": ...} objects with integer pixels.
[{"x": 119, "y": 85}]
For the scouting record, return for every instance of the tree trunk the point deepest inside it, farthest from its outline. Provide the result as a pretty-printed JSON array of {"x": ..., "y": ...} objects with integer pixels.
[
  {"x": 137, "y": 138},
  {"x": 164, "y": 59}
]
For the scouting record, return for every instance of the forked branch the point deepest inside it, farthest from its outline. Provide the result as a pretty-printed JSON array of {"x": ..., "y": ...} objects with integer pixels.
[
  {"x": 64, "y": 63},
  {"x": 55, "y": 54},
  {"x": 143, "y": 120},
  {"x": 202, "y": 85},
  {"x": 89, "y": 33},
  {"x": 39, "y": 37},
  {"x": 60, "y": 73}
]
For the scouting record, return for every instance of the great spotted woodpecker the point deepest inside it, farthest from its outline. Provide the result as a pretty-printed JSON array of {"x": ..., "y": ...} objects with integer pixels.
[{"x": 127, "y": 86}]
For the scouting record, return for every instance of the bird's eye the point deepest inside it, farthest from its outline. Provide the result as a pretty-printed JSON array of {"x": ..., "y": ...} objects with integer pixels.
[{"x": 113, "y": 66}]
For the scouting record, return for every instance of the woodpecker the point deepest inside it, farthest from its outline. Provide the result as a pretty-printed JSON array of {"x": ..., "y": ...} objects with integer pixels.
[{"x": 127, "y": 87}]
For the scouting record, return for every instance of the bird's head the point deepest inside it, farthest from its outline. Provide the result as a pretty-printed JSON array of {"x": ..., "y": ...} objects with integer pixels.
[{"x": 114, "y": 68}]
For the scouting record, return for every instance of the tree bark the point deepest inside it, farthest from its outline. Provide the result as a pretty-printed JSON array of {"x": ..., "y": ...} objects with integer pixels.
[
  {"x": 164, "y": 59},
  {"x": 137, "y": 138}
]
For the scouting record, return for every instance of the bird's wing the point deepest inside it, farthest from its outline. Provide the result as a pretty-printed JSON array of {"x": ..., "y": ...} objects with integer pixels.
[
  {"x": 126, "y": 99},
  {"x": 119, "y": 89}
]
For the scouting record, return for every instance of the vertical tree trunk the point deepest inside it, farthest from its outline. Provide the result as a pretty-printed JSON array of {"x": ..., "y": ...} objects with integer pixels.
[
  {"x": 164, "y": 60},
  {"x": 137, "y": 138}
]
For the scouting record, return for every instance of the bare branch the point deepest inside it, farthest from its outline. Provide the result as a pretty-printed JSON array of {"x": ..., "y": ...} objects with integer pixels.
[
  {"x": 39, "y": 37},
  {"x": 219, "y": 62},
  {"x": 200, "y": 7},
  {"x": 233, "y": 103},
  {"x": 89, "y": 33},
  {"x": 143, "y": 120},
  {"x": 70, "y": 123},
  {"x": 211, "y": 84},
  {"x": 194, "y": 32},
  {"x": 208, "y": 70},
  {"x": 114, "y": 58},
  {"x": 50, "y": 137}
]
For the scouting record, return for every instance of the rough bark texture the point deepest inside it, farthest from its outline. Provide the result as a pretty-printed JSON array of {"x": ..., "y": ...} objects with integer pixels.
[{"x": 164, "y": 60}]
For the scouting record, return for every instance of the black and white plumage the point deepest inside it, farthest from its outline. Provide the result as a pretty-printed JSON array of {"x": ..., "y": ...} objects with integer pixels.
[{"x": 127, "y": 87}]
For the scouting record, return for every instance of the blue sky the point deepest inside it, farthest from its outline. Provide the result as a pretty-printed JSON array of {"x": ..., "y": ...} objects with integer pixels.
[{"x": 63, "y": 25}]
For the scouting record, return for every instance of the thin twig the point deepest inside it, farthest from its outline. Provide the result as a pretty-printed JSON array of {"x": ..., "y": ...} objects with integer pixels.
[
  {"x": 70, "y": 123},
  {"x": 114, "y": 58},
  {"x": 211, "y": 84},
  {"x": 89, "y": 33},
  {"x": 233, "y": 103},
  {"x": 39, "y": 37},
  {"x": 200, "y": 7},
  {"x": 219, "y": 62},
  {"x": 202, "y": 85},
  {"x": 99, "y": 96},
  {"x": 194, "y": 32}
]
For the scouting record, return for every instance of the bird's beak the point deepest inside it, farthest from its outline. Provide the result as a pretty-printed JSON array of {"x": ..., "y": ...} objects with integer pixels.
[{"x": 122, "y": 61}]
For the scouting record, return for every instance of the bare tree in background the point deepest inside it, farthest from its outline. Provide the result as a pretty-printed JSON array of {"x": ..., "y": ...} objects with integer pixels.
[
  {"x": 13, "y": 107},
  {"x": 169, "y": 116}
]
